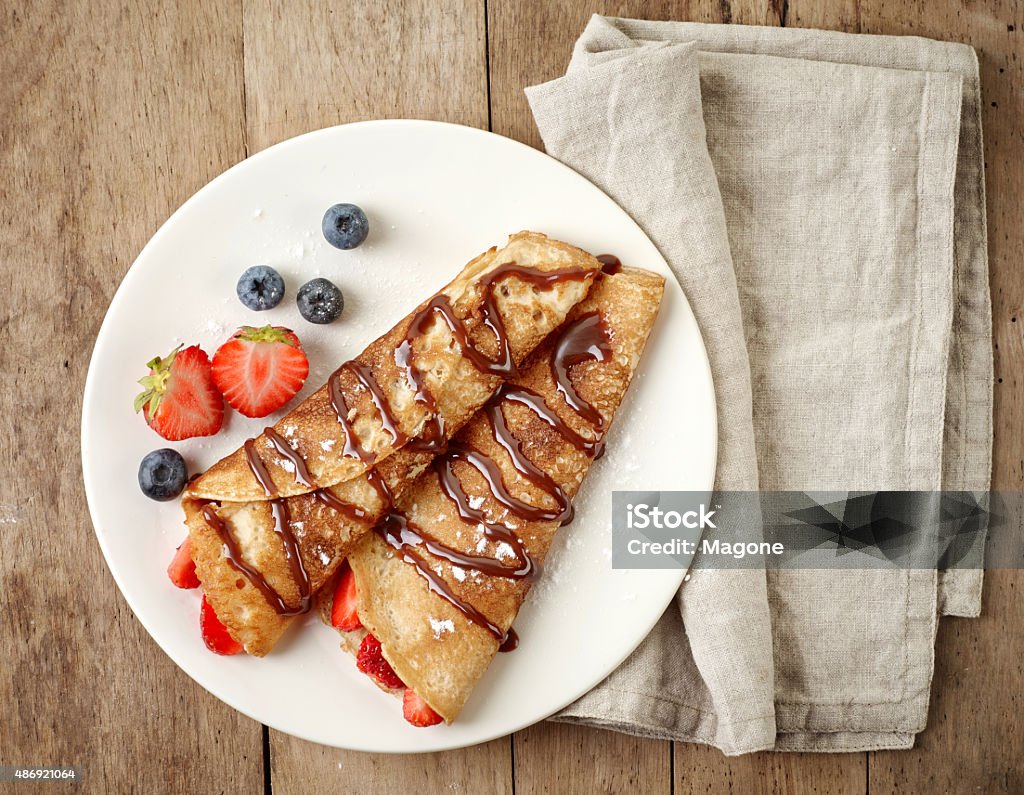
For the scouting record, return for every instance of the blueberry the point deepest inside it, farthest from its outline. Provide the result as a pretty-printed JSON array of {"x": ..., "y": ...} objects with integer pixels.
[
  {"x": 260, "y": 287},
  {"x": 320, "y": 301},
  {"x": 162, "y": 474},
  {"x": 345, "y": 226}
]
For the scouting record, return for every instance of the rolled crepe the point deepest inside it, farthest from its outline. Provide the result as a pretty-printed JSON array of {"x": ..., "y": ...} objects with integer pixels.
[
  {"x": 441, "y": 579},
  {"x": 271, "y": 522}
]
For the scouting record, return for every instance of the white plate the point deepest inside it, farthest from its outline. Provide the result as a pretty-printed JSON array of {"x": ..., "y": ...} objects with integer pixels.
[{"x": 436, "y": 195}]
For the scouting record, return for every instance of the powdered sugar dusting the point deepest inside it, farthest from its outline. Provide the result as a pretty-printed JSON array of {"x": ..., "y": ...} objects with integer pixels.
[{"x": 441, "y": 626}]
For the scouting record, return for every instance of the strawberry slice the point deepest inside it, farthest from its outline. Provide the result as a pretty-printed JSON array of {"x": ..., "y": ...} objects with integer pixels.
[
  {"x": 371, "y": 661},
  {"x": 343, "y": 612},
  {"x": 182, "y": 570},
  {"x": 215, "y": 634},
  {"x": 258, "y": 370},
  {"x": 179, "y": 399},
  {"x": 417, "y": 711}
]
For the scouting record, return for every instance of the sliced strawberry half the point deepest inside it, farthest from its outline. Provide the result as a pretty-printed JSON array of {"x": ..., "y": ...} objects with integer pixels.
[
  {"x": 370, "y": 660},
  {"x": 182, "y": 570},
  {"x": 417, "y": 711},
  {"x": 258, "y": 370},
  {"x": 179, "y": 399},
  {"x": 343, "y": 611},
  {"x": 215, "y": 634}
]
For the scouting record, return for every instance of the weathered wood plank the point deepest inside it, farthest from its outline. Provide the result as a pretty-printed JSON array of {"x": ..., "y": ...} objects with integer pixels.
[
  {"x": 111, "y": 115},
  {"x": 310, "y": 65},
  {"x": 299, "y": 767},
  {"x": 576, "y": 760},
  {"x": 700, "y": 769}
]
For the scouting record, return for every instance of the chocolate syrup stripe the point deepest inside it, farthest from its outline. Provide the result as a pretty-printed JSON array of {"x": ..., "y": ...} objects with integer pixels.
[
  {"x": 610, "y": 264},
  {"x": 502, "y": 365},
  {"x": 282, "y": 526},
  {"x": 536, "y": 403},
  {"x": 352, "y": 449},
  {"x": 387, "y": 419},
  {"x": 433, "y": 438},
  {"x": 233, "y": 553},
  {"x": 525, "y": 566},
  {"x": 259, "y": 469},
  {"x": 298, "y": 462},
  {"x": 283, "y": 523},
  {"x": 583, "y": 339},
  {"x": 403, "y": 537}
]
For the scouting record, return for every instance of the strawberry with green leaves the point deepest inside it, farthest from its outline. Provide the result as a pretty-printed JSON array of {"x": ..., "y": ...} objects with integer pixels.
[
  {"x": 179, "y": 399},
  {"x": 259, "y": 370}
]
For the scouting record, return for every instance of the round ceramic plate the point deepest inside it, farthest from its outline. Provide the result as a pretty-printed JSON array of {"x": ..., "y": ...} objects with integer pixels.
[{"x": 436, "y": 196}]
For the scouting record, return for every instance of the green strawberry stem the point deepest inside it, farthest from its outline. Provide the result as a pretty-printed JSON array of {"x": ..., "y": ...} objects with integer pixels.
[
  {"x": 265, "y": 334},
  {"x": 154, "y": 385}
]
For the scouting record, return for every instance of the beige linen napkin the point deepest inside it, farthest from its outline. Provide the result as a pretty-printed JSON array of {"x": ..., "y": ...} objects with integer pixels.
[{"x": 820, "y": 197}]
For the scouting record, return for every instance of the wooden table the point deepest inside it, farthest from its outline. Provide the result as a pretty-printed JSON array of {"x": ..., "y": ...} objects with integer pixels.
[{"x": 111, "y": 115}]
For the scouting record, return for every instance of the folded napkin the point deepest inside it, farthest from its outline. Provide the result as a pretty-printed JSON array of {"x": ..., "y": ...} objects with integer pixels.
[{"x": 820, "y": 198}]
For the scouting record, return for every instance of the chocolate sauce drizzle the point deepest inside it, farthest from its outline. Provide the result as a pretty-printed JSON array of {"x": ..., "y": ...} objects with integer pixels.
[
  {"x": 356, "y": 512},
  {"x": 395, "y": 528},
  {"x": 387, "y": 419},
  {"x": 402, "y": 536},
  {"x": 353, "y": 512},
  {"x": 610, "y": 264},
  {"x": 233, "y": 553},
  {"x": 583, "y": 339},
  {"x": 502, "y": 365},
  {"x": 298, "y": 462},
  {"x": 536, "y": 403},
  {"x": 352, "y": 449},
  {"x": 259, "y": 469},
  {"x": 282, "y": 527}
]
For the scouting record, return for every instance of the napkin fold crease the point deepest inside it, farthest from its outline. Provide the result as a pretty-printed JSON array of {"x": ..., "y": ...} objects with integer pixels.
[{"x": 820, "y": 197}]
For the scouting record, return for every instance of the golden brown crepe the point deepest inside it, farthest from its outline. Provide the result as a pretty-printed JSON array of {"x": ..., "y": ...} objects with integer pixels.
[
  {"x": 415, "y": 592},
  {"x": 264, "y": 533}
]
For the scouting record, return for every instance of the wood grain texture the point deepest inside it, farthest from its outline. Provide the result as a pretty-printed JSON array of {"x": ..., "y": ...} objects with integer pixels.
[
  {"x": 301, "y": 768},
  {"x": 975, "y": 734},
  {"x": 310, "y": 65},
  {"x": 111, "y": 115},
  {"x": 576, "y": 760},
  {"x": 700, "y": 770}
]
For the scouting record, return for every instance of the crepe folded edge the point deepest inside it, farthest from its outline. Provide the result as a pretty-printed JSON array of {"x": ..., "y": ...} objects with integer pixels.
[
  {"x": 430, "y": 643},
  {"x": 323, "y": 536}
]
